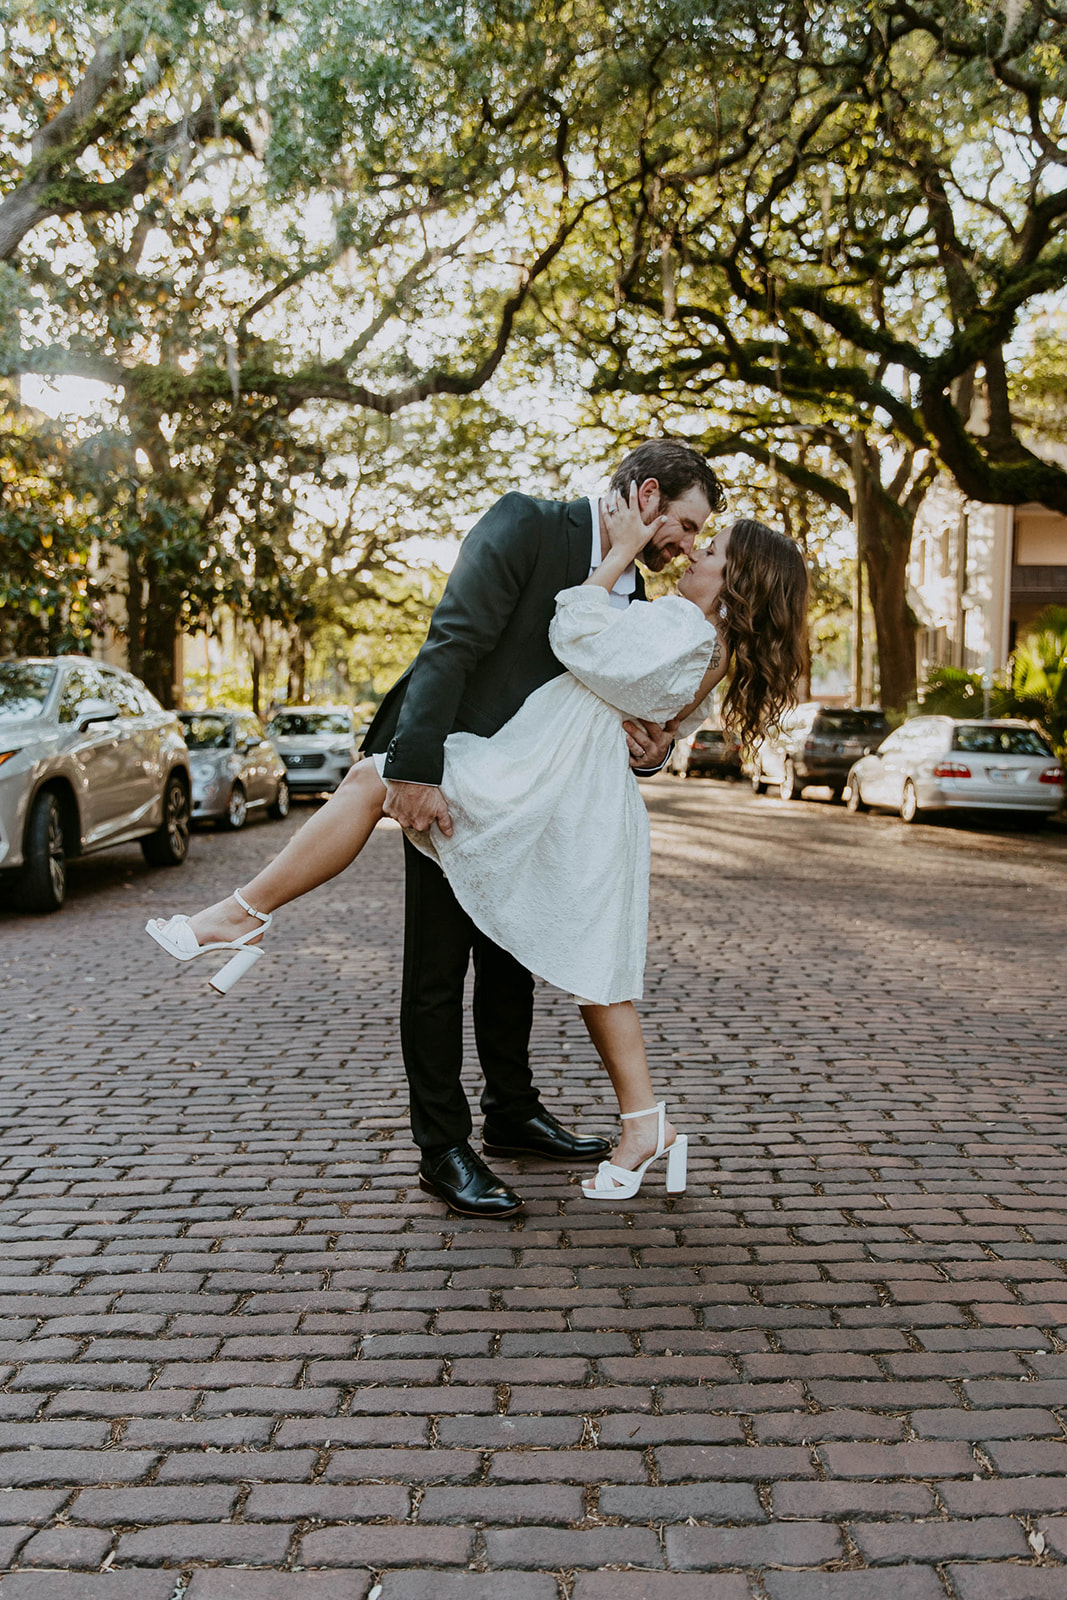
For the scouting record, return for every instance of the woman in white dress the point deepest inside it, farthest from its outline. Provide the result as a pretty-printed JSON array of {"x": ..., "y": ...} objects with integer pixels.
[{"x": 549, "y": 849}]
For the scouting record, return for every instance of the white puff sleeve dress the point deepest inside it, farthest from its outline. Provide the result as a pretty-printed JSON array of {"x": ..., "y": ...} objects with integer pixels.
[{"x": 550, "y": 850}]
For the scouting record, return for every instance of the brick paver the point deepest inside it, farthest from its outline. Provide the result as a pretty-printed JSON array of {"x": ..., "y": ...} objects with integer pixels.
[{"x": 244, "y": 1357}]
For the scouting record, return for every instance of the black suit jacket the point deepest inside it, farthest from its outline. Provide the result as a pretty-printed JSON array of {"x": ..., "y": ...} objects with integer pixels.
[{"x": 487, "y": 648}]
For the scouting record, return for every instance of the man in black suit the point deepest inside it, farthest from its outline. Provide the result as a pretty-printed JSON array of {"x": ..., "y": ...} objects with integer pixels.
[{"x": 487, "y": 649}]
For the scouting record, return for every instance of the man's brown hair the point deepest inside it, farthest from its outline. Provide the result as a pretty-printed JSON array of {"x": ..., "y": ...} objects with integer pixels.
[{"x": 676, "y": 467}]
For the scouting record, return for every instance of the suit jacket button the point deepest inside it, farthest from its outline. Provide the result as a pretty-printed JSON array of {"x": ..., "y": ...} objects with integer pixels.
[{"x": 392, "y": 748}]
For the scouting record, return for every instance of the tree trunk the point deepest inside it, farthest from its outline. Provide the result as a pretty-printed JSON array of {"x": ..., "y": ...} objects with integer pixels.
[
  {"x": 803, "y": 688},
  {"x": 134, "y": 615},
  {"x": 883, "y": 538},
  {"x": 297, "y": 668},
  {"x": 255, "y": 657},
  {"x": 856, "y": 665},
  {"x": 158, "y": 662},
  {"x": 159, "y": 644}
]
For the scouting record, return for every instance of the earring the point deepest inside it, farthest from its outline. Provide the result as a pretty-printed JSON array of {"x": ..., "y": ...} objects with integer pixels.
[{"x": 722, "y": 611}]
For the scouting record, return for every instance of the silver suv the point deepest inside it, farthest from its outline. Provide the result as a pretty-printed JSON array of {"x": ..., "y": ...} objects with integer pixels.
[
  {"x": 816, "y": 744},
  {"x": 88, "y": 759},
  {"x": 317, "y": 744}
]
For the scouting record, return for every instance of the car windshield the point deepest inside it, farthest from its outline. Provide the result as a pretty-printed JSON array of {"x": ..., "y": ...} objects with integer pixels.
[
  {"x": 298, "y": 724},
  {"x": 986, "y": 741},
  {"x": 708, "y": 736},
  {"x": 204, "y": 732},
  {"x": 848, "y": 722},
  {"x": 24, "y": 687}
]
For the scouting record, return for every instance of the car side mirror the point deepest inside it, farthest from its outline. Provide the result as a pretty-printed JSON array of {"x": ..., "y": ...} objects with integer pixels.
[{"x": 91, "y": 711}]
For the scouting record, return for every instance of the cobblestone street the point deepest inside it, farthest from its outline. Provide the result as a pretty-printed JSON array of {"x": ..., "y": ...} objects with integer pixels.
[{"x": 244, "y": 1357}]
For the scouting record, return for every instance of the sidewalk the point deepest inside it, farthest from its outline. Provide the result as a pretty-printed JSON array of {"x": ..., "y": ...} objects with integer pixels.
[{"x": 242, "y": 1355}]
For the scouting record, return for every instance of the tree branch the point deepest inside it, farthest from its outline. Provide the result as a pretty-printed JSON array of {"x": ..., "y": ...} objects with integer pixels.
[
  {"x": 800, "y": 476},
  {"x": 53, "y": 187},
  {"x": 64, "y": 129}
]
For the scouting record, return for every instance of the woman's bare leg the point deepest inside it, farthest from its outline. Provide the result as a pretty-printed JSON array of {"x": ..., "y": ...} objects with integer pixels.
[
  {"x": 327, "y": 843},
  {"x": 616, "y": 1033}
]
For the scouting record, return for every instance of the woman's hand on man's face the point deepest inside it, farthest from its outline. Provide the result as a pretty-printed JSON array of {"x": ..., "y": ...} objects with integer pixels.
[{"x": 626, "y": 529}]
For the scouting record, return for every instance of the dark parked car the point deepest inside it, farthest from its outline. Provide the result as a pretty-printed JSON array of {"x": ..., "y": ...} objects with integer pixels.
[
  {"x": 88, "y": 759},
  {"x": 236, "y": 770},
  {"x": 708, "y": 753},
  {"x": 816, "y": 744}
]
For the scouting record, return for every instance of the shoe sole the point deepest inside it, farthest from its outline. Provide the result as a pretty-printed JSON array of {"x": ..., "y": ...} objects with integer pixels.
[
  {"x": 484, "y": 1216},
  {"x": 542, "y": 1155}
]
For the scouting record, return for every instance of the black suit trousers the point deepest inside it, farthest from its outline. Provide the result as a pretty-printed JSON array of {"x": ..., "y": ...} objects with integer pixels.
[{"x": 439, "y": 940}]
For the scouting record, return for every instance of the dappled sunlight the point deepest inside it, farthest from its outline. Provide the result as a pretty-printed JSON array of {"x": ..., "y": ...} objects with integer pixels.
[{"x": 832, "y": 933}]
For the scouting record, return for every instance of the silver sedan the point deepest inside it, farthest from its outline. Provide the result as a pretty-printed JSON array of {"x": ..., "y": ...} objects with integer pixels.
[
  {"x": 949, "y": 764},
  {"x": 236, "y": 769}
]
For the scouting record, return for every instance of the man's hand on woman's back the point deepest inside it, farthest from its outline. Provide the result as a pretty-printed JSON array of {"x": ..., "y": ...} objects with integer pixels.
[{"x": 649, "y": 744}]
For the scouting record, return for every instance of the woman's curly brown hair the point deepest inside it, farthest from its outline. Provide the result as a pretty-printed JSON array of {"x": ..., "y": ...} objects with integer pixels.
[{"x": 765, "y": 595}]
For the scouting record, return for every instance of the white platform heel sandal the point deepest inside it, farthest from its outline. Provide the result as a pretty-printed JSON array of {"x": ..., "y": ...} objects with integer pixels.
[
  {"x": 177, "y": 938},
  {"x": 619, "y": 1183}
]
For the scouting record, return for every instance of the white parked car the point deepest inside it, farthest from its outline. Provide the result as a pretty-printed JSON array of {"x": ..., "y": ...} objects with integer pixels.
[
  {"x": 88, "y": 759},
  {"x": 317, "y": 744},
  {"x": 949, "y": 764}
]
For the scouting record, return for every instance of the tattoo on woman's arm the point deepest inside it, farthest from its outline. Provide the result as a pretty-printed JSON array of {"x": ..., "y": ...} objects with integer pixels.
[{"x": 716, "y": 654}]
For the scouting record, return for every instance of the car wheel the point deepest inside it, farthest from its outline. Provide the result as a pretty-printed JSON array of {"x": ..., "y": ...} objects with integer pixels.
[
  {"x": 855, "y": 801},
  {"x": 236, "y": 814},
  {"x": 280, "y": 808},
  {"x": 789, "y": 788},
  {"x": 42, "y": 885},
  {"x": 909, "y": 803},
  {"x": 169, "y": 845},
  {"x": 757, "y": 781}
]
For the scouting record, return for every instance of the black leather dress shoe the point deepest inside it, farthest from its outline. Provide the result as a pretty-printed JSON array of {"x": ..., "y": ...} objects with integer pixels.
[
  {"x": 463, "y": 1181},
  {"x": 539, "y": 1135}
]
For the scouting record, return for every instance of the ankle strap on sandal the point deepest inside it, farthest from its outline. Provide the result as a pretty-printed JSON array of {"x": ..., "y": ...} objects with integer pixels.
[
  {"x": 628, "y": 1116},
  {"x": 261, "y": 916}
]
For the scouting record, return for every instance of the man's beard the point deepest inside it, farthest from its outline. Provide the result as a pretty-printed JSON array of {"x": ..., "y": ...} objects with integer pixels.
[{"x": 654, "y": 559}]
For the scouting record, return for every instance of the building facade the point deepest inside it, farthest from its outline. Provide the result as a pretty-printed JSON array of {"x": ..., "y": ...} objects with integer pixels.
[{"x": 980, "y": 575}]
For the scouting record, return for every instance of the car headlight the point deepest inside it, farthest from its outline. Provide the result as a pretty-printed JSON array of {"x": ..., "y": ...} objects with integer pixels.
[{"x": 341, "y": 749}]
